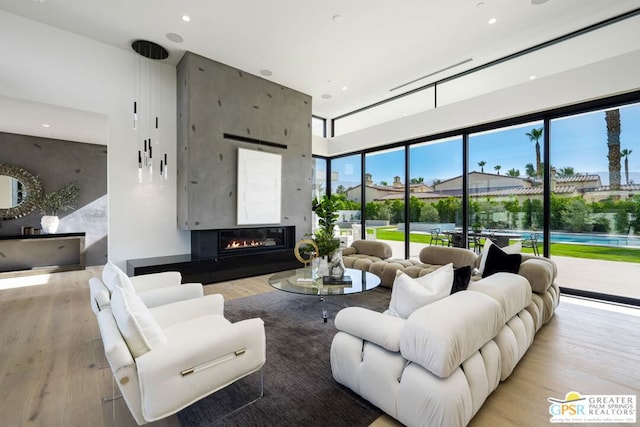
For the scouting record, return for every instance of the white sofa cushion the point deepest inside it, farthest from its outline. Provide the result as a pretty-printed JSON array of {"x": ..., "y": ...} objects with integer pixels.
[
  {"x": 441, "y": 336},
  {"x": 511, "y": 291},
  {"x": 113, "y": 277},
  {"x": 410, "y": 294},
  {"x": 371, "y": 326},
  {"x": 137, "y": 326}
]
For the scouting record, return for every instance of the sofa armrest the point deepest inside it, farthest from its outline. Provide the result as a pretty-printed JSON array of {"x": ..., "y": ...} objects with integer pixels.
[
  {"x": 540, "y": 272},
  {"x": 374, "y": 248},
  {"x": 182, "y": 311},
  {"x": 349, "y": 251},
  {"x": 170, "y": 294},
  {"x": 145, "y": 282},
  {"x": 443, "y": 255},
  {"x": 378, "y": 328},
  {"x": 201, "y": 357},
  {"x": 115, "y": 348},
  {"x": 99, "y": 294}
]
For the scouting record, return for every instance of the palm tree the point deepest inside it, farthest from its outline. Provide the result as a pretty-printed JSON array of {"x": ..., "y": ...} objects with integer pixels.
[
  {"x": 625, "y": 154},
  {"x": 418, "y": 180},
  {"x": 530, "y": 170},
  {"x": 535, "y": 135},
  {"x": 612, "y": 117},
  {"x": 566, "y": 171},
  {"x": 481, "y": 164},
  {"x": 513, "y": 172},
  {"x": 497, "y": 168}
]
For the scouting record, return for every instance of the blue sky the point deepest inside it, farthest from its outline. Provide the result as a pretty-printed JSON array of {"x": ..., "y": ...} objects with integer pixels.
[{"x": 577, "y": 141}]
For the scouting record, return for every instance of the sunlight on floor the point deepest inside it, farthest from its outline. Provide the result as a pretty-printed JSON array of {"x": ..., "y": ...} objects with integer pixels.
[
  {"x": 19, "y": 282},
  {"x": 600, "y": 305}
]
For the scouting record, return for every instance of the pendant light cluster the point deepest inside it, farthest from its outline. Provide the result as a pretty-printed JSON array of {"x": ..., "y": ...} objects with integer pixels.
[{"x": 145, "y": 120}]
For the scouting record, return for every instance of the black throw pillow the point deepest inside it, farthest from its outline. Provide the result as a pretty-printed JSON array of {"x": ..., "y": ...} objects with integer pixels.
[
  {"x": 500, "y": 261},
  {"x": 461, "y": 278}
]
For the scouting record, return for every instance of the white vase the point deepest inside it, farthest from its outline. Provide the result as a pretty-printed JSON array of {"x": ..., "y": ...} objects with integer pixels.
[{"x": 50, "y": 224}]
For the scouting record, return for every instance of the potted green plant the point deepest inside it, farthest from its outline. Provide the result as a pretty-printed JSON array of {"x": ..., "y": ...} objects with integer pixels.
[
  {"x": 326, "y": 209},
  {"x": 50, "y": 204}
]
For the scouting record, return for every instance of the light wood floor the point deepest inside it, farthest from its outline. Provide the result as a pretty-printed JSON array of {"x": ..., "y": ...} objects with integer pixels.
[{"x": 53, "y": 371}]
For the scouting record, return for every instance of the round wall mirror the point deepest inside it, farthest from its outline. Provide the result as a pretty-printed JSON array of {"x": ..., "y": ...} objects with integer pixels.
[{"x": 19, "y": 191}]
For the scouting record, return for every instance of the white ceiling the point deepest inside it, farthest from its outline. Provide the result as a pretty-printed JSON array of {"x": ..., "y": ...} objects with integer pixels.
[{"x": 319, "y": 48}]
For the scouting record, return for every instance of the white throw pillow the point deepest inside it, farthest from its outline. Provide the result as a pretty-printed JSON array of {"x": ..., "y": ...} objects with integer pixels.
[
  {"x": 516, "y": 248},
  {"x": 410, "y": 294},
  {"x": 135, "y": 322},
  {"x": 113, "y": 277}
]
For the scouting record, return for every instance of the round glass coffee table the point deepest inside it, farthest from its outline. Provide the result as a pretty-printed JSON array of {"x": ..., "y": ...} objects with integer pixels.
[{"x": 306, "y": 282}]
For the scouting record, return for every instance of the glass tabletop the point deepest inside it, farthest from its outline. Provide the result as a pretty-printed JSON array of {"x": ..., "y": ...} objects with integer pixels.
[{"x": 306, "y": 281}]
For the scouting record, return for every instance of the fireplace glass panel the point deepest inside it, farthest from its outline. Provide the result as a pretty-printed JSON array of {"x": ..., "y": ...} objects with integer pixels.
[{"x": 250, "y": 239}]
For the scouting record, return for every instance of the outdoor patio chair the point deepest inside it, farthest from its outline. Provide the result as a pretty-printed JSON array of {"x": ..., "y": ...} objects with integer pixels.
[
  {"x": 438, "y": 238},
  {"x": 531, "y": 242}
]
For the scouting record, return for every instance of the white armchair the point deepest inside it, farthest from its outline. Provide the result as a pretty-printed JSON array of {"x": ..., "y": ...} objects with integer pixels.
[
  {"x": 153, "y": 289},
  {"x": 168, "y": 357}
]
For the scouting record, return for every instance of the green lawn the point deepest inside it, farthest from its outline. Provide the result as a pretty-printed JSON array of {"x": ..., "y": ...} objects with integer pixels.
[{"x": 557, "y": 249}]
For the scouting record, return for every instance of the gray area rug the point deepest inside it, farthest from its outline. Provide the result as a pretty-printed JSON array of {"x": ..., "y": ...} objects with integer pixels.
[{"x": 299, "y": 389}]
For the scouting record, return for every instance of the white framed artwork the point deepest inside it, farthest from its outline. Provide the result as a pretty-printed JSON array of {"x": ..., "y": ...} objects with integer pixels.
[{"x": 259, "y": 187}]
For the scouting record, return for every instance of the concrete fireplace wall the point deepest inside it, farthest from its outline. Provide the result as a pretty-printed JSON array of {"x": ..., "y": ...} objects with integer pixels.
[{"x": 215, "y": 99}]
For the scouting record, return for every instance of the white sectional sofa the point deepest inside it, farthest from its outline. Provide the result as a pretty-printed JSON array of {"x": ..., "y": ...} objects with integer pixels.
[{"x": 437, "y": 366}]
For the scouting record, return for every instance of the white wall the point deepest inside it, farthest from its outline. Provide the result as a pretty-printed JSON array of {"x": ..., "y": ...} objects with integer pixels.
[
  {"x": 47, "y": 65},
  {"x": 613, "y": 76}
]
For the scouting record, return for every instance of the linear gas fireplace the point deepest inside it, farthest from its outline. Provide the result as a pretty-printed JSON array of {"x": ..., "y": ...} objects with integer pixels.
[
  {"x": 251, "y": 240},
  {"x": 236, "y": 241}
]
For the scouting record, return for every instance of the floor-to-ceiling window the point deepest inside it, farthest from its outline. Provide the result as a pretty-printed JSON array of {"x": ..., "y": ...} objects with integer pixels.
[
  {"x": 346, "y": 183},
  {"x": 592, "y": 230},
  {"x": 385, "y": 198},
  {"x": 505, "y": 200},
  {"x": 595, "y": 200},
  {"x": 435, "y": 168}
]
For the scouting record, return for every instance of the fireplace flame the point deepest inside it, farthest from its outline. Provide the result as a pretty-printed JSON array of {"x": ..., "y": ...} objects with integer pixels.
[{"x": 233, "y": 244}]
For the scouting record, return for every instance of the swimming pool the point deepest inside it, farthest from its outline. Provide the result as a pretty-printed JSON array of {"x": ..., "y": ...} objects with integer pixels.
[{"x": 596, "y": 239}]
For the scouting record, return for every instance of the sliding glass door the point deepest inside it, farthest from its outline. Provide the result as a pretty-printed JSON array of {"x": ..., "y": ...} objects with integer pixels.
[
  {"x": 385, "y": 198},
  {"x": 505, "y": 200},
  {"x": 436, "y": 193},
  {"x": 595, "y": 201}
]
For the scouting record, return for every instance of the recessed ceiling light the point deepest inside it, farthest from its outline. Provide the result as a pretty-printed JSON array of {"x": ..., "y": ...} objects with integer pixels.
[
  {"x": 46, "y": 125},
  {"x": 492, "y": 21},
  {"x": 326, "y": 96},
  {"x": 532, "y": 77},
  {"x": 186, "y": 18},
  {"x": 537, "y": 2},
  {"x": 175, "y": 37},
  {"x": 480, "y": 4},
  {"x": 266, "y": 73},
  {"x": 344, "y": 88},
  {"x": 336, "y": 18}
]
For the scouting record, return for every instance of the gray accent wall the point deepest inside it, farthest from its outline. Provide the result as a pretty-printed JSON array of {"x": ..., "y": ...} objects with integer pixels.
[
  {"x": 215, "y": 99},
  {"x": 57, "y": 163}
]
